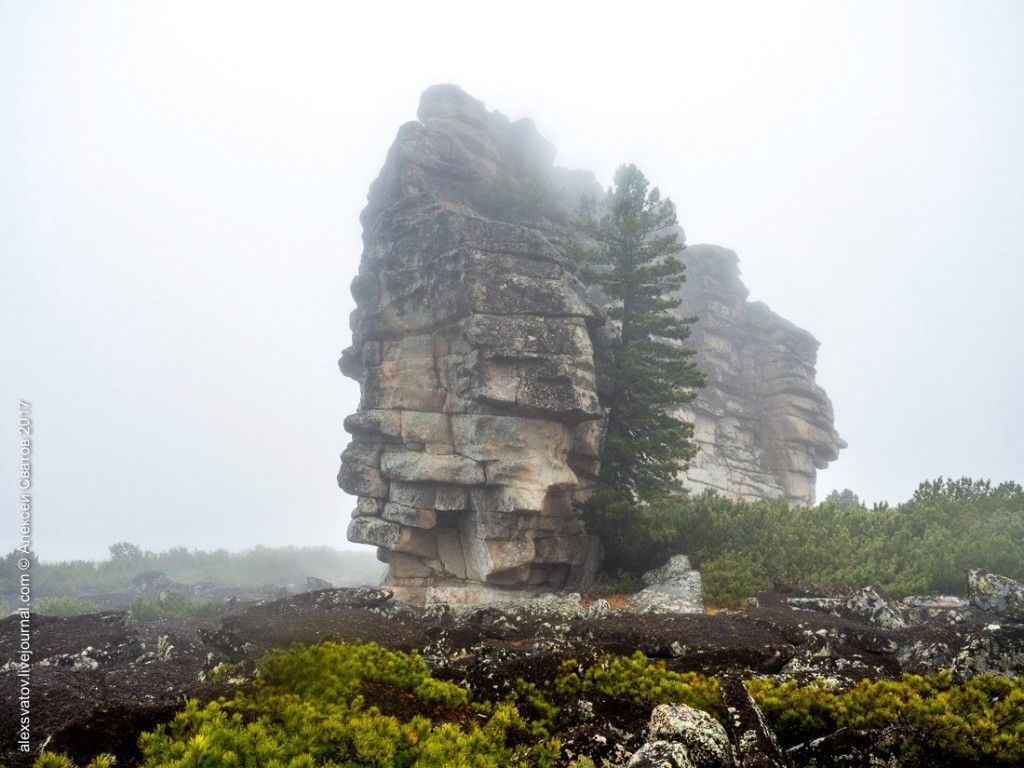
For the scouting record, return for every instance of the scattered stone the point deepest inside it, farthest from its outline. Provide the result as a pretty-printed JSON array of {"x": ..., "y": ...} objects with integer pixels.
[
  {"x": 994, "y": 649},
  {"x": 661, "y": 754},
  {"x": 995, "y": 593},
  {"x": 925, "y": 608},
  {"x": 704, "y": 737},
  {"x": 599, "y": 609},
  {"x": 673, "y": 588},
  {"x": 823, "y": 604},
  {"x": 314, "y": 583},
  {"x": 848, "y": 748},
  {"x": 756, "y": 746},
  {"x": 867, "y": 602}
]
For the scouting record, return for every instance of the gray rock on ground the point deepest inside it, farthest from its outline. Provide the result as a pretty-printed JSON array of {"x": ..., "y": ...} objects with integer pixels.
[
  {"x": 755, "y": 743},
  {"x": 675, "y": 587},
  {"x": 995, "y": 593},
  {"x": 706, "y": 741},
  {"x": 867, "y": 602},
  {"x": 991, "y": 650},
  {"x": 661, "y": 754}
]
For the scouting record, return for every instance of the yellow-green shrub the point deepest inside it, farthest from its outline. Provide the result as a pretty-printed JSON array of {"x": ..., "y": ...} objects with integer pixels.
[
  {"x": 308, "y": 709},
  {"x": 979, "y": 722},
  {"x": 635, "y": 678}
]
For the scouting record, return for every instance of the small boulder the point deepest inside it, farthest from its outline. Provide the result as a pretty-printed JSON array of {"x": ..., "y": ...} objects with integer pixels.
[
  {"x": 704, "y": 737},
  {"x": 675, "y": 587},
  {"x": 314, "y": 583},
  {"x": 661, "y": 754},
  {"x": 991, "y": 650},
  {"x": 872, "y": 606},
  {"x": 850, "y": 747},
  {"x": 995, "y": 593}
]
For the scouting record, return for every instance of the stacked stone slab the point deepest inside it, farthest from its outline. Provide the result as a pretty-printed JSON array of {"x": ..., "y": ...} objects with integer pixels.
[
  {"x": 763, "y": 425},
  {"x": 479, "y": 426}
]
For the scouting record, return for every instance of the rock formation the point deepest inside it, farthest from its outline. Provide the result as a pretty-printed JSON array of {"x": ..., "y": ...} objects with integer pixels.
[
  {"x": 477, "y": 351},
  {"x": 478, "y": 430},
  {"x": 762, "y": 423}
]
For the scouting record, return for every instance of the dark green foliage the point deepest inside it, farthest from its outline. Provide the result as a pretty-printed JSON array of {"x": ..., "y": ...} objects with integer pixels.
[
  {"x": 51, "y": 760},
  {"x": 172, "y": 605},
  {"x": 976, "y": 723},
  {"x": 637, "y": 679},
  {"x": 844, "y": 500},
  {"x": 921, "y": 546},
  {"x": 636, "y": 266},
  {"x": 62, "y": 605}
]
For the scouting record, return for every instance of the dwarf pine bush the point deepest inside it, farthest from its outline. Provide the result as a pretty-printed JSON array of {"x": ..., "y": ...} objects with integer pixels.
[
  {"x": 976, "y": 723},
  {"x": 921, "y": 546},
  {"x": 309, "y": 708},
  {"x": 341, "y": 706}
]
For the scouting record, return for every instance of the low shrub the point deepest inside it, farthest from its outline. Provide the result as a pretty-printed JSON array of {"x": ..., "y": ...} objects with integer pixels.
[
  {"x": 64, "y": 605},
  {"x": 333, "y": 705},
  {"x": 637, "y": 679},
  {"x": 976, "y": 723},
  {"x": 923, "y": 545},
  {"x": 309, "y": 708},
  {"x": 172, "y": 605}
]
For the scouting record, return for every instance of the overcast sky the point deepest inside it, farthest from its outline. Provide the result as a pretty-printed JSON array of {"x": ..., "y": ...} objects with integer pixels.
[{"x": 180, "y": 186}]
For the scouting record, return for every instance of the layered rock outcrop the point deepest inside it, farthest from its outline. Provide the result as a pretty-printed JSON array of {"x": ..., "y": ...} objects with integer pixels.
[
  {"x": 479, "y": 426},
  {"x": 764, "y": 427},
  {"x": 478, "y": 355}
]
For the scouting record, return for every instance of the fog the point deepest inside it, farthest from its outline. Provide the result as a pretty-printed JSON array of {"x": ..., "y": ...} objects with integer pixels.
[{"x": 180, "y": 185}]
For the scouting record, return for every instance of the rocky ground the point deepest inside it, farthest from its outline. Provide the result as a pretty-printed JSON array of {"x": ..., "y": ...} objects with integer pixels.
[{"x": 99, "y": 680}]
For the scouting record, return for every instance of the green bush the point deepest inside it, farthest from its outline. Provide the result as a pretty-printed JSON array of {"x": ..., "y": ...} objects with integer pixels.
[
  {"x": 309, "y": 708},
  {"x": 51, "y": 760},
  {"x": 637, "y": 679},
  {"x": 922, "y": 545},
  {"x": 732, "y": 576},
  {"x": 63, "y": 605},
  {"x": 976, "y": 723},
  {"x": 172, "y": 605}
]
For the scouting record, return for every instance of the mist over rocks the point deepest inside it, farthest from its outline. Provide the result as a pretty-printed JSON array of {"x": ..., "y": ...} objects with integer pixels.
[
  {"x": 478, "y": 354},
  {"x": 763, "y": 425}
]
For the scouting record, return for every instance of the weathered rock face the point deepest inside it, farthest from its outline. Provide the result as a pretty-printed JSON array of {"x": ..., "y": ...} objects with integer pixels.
[
  {"x": 480, "y": 422},
  {"x": 763, "y": 425},
  {"x": 478, "y": 430},
  {"x": 673, "y": 588}
]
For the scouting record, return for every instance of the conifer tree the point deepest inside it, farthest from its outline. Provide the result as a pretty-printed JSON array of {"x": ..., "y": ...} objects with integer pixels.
[{"x": 636, "y": 265}]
